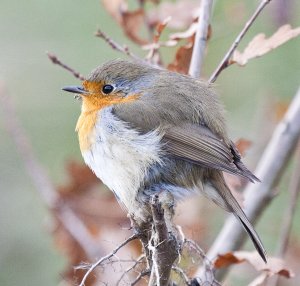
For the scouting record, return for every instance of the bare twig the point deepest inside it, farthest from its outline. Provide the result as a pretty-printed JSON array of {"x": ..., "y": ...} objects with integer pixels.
[
  {"x": 201, "y": 38},
  {"x": 139, "y": 260},
  {"x": 207, "y": 265},
  {"x": 153, "y": 54},
  {"x": 56, "y": 61},
  {"x": 269, "y": 170},
  {"x": 182, "y": 274},
  {"x": 139, "y": 277},
  {"x": 104, "y": 258},
  {"x": 114, "y": 45},
  {"x": 226, "y": 60},
  {"x": 41, "y": 181},
  {"x": 196, "y": 248}
]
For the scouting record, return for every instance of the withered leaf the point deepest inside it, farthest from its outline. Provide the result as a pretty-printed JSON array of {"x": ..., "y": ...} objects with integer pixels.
[
  {"x": 183, "y": 54},
  {"x": 159, "y": 29},
  {"x": 155, "y": 45},
  {"x": 129, "y": 21},
  {"x": 243, "y": 145},
  {"x": 182, "y": 59},
  {"x": 115, "y": 8},
  {"x": 98, "y": 213},
  {"x": 225, "y": 260},
  {"x": 261, "y": 45},
  {"x": 131, "y": 24},
  {"x": 182, "y": 13},
  {"x": 275, "y": 266}
]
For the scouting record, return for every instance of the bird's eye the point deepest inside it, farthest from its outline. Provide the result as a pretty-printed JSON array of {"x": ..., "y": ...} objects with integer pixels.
[{"x": 107, "y": 88}]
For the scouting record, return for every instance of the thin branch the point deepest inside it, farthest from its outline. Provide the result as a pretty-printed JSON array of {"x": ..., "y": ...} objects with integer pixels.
[
  {"x": 201, "y": 38},
  {"x": 40, "y": 179},
  {"x": 182, "y": 274},
  {"x": 57, "y": 61},
  {"x": 114, "y": 45},
  {"x": 225, "y": 62},
  {"x": 154, "y": 55},
  {"x": 196, "y": 247},
  {"x": 104, "y": 258},
  {"x": 258, "y": 196},
  {"x": 139, "y": 260},
  {"x": 139, "y": 277},
  {"x": 209, "y": 269}
]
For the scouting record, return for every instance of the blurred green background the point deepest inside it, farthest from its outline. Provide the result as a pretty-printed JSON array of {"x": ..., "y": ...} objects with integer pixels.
[{"x": 29, "y": 29}]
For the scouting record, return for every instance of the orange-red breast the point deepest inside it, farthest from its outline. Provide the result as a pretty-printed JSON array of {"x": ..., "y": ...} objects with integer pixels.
[{"x": 144, "y": 130}]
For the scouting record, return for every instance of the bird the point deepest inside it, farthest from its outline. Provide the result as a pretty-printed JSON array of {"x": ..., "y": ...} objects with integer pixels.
[{"x": 145, "y": 130}]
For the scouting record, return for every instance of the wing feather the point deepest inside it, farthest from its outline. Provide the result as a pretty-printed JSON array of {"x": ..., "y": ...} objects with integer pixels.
[{"x": 198, "y": 145}]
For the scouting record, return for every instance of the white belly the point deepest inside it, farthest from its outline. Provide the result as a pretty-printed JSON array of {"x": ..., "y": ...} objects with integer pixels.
[{"x": 120, "y": 156}]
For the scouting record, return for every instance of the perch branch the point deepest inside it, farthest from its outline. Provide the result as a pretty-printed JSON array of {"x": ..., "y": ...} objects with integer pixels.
[
  {"x": 225, "y": 62},
  {"x": 54, "y": 59},
  {"x": 92, "y": 267},
  {"x": 201, "y": 38},
  {"x": 40, "y": 179},
  {"x": 114, "y": 45},
  {"x": 258, "y": 196},
  {"x": 163, "y": 245}
]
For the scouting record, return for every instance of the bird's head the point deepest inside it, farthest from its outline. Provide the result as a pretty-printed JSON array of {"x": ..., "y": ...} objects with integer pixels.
[{"x": 115, "y": 82}]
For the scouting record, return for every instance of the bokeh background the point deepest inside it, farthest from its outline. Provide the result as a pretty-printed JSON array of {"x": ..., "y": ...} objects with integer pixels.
[{"x": 255, "y": 97}]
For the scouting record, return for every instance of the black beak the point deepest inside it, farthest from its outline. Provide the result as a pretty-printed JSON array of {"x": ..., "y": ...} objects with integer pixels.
[{"x": 75, "y": 89}]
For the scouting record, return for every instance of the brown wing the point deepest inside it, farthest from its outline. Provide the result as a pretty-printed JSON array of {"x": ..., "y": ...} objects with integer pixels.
[{"x": 198, "y": 145}]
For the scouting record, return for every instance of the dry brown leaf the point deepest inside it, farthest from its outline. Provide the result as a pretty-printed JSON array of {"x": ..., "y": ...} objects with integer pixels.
[
  {"x": 261, "y": 45},
  {"x": 183, "y": 55},
  {"x": 159, "y": 29},
  {"x": 81, "y": 178},
  {"x": 182, "y": 59},
  {"x": 98, "y": 211},
  {"x": 115, "y": 8},
  {"x": 182, "y": 13},
  {"x": 273, "y": 267},
  {"x": 155, "y": 45},
  {"x": 130, "y": 21},
  {"x": 225, "y": 260},
  {"x": 243, "y": 145},
  {"x": 131, "y": 24}
]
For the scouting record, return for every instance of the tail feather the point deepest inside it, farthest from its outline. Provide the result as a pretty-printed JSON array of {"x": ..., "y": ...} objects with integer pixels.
[
  {"x": 225, "y": 198},
  {"x": 254, "y": 237}
]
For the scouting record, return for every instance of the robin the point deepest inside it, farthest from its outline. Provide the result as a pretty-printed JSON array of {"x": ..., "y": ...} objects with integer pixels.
[{"x": 145, "y": 130}]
